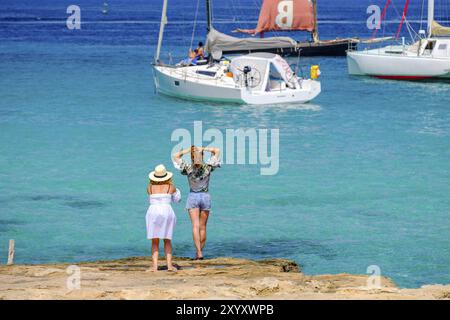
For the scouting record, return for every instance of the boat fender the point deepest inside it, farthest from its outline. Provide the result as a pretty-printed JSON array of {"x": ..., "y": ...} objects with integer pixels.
[{"x": 315, "y": 72}]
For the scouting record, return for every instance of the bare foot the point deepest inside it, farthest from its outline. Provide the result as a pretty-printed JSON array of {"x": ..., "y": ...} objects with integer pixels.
[
  {"x": 172, "y": 269},
  {"x": 152, "y": 269},
  {"x": 199, "y": 256}
]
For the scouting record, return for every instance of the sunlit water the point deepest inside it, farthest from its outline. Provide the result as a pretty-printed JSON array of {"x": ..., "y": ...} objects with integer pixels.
[{"x": 364, "y": 169}]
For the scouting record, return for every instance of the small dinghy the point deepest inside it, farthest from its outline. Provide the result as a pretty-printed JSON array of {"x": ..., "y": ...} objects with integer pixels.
[{"x": 256, "y": 78}]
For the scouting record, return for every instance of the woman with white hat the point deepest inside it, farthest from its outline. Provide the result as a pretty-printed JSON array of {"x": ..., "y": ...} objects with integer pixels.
[{"x": 160, "y": 217}]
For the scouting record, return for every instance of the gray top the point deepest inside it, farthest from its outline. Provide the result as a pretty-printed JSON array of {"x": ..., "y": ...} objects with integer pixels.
[{"x": 217, "y": 41}]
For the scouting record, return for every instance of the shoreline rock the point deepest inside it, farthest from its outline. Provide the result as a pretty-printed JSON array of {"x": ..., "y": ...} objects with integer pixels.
[{"x": 219, "y": 278}]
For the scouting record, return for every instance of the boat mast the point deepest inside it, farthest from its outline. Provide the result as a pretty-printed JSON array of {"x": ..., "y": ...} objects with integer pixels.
[
  {"x": 430, "y": 16},
  {"x": 161, "y": 30},
  {"x": 208, "y": 16},
  {"x": 315, "y": 32}
]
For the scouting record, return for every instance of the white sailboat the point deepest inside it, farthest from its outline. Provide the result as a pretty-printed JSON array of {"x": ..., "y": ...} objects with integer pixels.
[
  {"x": 257, "y": 78},
  {"x": 428, "y": 58}
]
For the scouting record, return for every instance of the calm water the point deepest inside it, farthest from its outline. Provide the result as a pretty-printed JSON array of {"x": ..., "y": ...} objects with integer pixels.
[{"x": 364, "y": 170}]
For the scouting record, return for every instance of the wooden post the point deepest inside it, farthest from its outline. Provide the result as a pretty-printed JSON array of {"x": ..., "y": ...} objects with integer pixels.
[
  {"x": 11, "y": 253},
  {"x": 315, "y": 32}
]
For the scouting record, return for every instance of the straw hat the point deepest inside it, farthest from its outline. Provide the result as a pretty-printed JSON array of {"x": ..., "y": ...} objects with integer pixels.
[{"x": 160, "y": 174}]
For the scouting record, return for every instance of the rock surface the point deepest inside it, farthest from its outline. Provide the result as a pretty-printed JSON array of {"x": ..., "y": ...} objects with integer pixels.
[{"x": 220, "y": 278}]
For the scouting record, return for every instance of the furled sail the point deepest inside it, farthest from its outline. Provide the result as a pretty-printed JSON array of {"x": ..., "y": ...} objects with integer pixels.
[
  {"x": 439, "y": 31},
  {"x": 219, "y": 42},
  {"x": 282, "y": 15}
]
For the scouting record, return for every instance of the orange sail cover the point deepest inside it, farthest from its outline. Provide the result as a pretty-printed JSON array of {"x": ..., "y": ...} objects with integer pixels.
[{"x": 278, "y": 15}]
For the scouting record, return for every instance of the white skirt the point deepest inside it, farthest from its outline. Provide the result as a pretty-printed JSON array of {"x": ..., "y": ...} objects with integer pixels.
[{"x": 161, "y": 221}]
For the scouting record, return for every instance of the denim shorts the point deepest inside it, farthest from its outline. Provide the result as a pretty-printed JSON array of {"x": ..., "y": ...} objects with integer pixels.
[{"x": 200, "y": 200}]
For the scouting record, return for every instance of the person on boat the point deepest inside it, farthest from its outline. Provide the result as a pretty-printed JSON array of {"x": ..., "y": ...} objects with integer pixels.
[
  {"x": 160, "y": 217},
  {"x": 192, "y": 58},
  {"x": 199, "y": 200},
  {"x": 200, "y": 51}
]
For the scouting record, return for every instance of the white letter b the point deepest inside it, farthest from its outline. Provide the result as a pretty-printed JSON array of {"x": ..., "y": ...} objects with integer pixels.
[{"x": 285, "y": 15}]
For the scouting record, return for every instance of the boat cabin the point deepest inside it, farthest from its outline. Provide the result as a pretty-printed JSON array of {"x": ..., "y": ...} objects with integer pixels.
[
  {"x": 432, "y": 47},
  {"x": 263, "y": 72},
  {"x": 438, "y": 48}
]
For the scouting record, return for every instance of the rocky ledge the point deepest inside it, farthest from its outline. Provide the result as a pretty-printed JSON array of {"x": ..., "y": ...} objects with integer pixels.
[{"x": 220, "y": 278}]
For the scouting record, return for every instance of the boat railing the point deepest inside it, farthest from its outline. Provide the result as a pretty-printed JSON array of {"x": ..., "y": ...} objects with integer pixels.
[
  {"x": 195, "y": 77},
  {"x": 388, "y": 45}
]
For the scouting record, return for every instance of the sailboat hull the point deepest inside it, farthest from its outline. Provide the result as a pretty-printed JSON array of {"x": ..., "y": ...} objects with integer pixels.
[
  {"x": 397, "y": 66},
  {"x": 334, "y": 48},
  {"x": 172, "y": 84},
  {"x": 187, "y": 83}
]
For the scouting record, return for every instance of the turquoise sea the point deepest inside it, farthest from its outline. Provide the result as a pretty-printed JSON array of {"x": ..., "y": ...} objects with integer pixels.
[{"x": 364, "y": 169}]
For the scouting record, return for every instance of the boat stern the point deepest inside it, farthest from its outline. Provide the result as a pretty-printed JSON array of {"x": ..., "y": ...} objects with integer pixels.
[
  {"x": 309, "y": 90},
  {"x": 315, "y": 88}
]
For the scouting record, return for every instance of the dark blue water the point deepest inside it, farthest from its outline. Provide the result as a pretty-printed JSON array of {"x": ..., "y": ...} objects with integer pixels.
[{"x": 364, "y": 171}]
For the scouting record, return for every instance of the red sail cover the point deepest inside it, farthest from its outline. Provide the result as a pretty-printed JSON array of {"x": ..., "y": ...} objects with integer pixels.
[{"x": 277, "y": 15}]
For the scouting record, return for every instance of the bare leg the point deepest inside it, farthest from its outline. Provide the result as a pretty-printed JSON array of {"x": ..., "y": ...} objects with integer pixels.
[
  {"x": 168, "y": 251},
  {"x": 204, "y": 215},
  {"x": 195, "y": 219},
  {"x": 155, "y": 254}
]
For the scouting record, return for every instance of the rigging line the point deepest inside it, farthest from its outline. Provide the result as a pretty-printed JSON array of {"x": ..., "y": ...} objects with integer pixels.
[
  {"x": 396, "y": 10},
  {"x": 235, "y": 9},
  {"x": 239, "y": 11},
  {"x": 183, "y": 35},
  {"x": 385, "y": 20},
  {"x": 405, "y": 10},
  {"x": 412, "y": 33},
  {"x": 195, "y": 24},
  {"x": 383, "y": 15},
  {"x": 298, "y": 63},
  {"x": 232, "y": 8}
]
